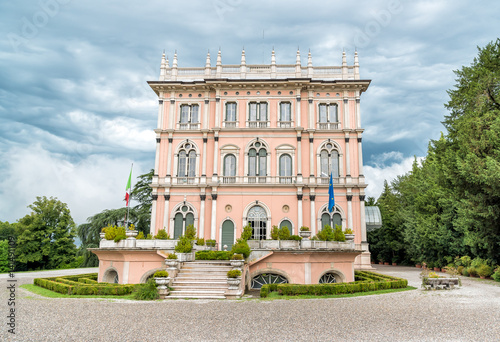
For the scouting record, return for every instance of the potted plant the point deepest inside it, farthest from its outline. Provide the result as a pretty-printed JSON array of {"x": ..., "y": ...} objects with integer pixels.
[
  {"x": 131, "y": 233},
  {"x": 184, "y": 249},
  {"x": 305, "y": 232},
  {"x": 171, "y": 260},
  {"x": 237, "y": 260},
  {"x": 234, "y": 279},
  {"x": 349, "y": 234},
  {"x": 161, "y": 279}
]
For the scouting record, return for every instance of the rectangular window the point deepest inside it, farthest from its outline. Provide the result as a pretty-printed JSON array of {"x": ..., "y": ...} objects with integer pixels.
[
  {"x": 328, "y": 116},
  {"x": 189, "y": 118},
  {"x": 285, "y": 111},
  {"x": 231, "y": 111},
  {"x": 257, "y": 114}
]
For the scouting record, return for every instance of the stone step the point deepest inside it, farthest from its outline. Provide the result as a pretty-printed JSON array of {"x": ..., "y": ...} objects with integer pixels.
[
  {"x": 195, "y": 282},
  {"x": 200, "y": 287},
  {"x": 198, "y": 292},
  {"x": 181, "y": 296},
  {"x": 208, "y": 270}
]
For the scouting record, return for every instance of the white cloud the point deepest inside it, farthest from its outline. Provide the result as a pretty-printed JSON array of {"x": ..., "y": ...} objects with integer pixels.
[
  {"x": 88, "y": 187},
  {"x": 375, "y": 175}
]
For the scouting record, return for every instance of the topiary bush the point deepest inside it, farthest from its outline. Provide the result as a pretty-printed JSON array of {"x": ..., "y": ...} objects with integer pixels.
[
  {"x": 275, "y": 233},
  {"x": 120, "y": 234},
  {"x": 295, "y": 237},
  {"x": 284, "y": 233},
  {"x": 172, "y": 256},
  {"x": 325, "y": 234},
  {"x": 241, "y": 247},
  {"x": 190, "y": 232},
  {"x": 484, "y": 270},
  {"x": 246, "y": 234},
  {"x": 200, "y": 242},
  {"x": 109, "y": 232},
  {"x": 237, "y": 257},
  {"x": 210, "y": 243},
  {"x": 338, "y": 235},
  {"x": 184, "y": 245},
  {"x": 140, "y": 236},
  {"x": 162, "y": 235},
  {"x": 213, "y": 255}
]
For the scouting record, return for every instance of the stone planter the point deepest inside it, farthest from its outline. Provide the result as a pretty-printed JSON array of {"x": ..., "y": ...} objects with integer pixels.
[
  {"x": 172, "y": 263},
  {"x": 234, "y": 283},
  {"x": 237, "y": 263},
  {"x": 253, "y": 244},
  {"x": 162, "y": 282},
  {"x": 289, "y": 244},
  {"x": 270, "y": 244},
  {"x": 182, "y": 257},
  {"x": 131, "y": 233},
  {"x": 102, "y": 235},
  {"x": 349, "y": 237},
  {"x": 107, "y": 244},
  {"x": 305, "y": 234}
]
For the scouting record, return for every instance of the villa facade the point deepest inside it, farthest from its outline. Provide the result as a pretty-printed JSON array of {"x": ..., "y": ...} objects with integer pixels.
[{"x": 256, "y": 144}]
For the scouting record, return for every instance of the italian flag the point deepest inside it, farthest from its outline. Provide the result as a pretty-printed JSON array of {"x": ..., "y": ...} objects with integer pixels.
[{"x": 128, "y": 189}]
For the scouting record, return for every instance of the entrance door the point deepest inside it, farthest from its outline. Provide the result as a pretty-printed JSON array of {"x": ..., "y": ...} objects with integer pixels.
[
  {"x": 257, "y": 218},
  {"x": 227, "y": 234}
]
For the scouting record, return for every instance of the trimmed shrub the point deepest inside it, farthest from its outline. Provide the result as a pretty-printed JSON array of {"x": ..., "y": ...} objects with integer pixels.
[
  {"x": 200, "y": 242},
  {"x": 246, "y": 234},
  {"x": 275, "y": 233},
  {"x": 210, "y": 243},
  {"x": 371, "y": 282},
  {"x": 140, "y": 236},
  {"x": 325, "y": 234},
  {"x": 213, "y": 255},
  {"x": 496, "y": 275},
  {"x": 120, "y": 234},
  {"x": 237, "y": 257},
  {"x": 241, "y": 247},
  {"x": 472, "y": 271},
  {"x": 162, "y": 235},
  {"x": 160, "y": 274},
  {"x": 190, "y": 232},
  {"x": 172, "y": 256},
  {"x": 295, "y": 237},
  {"x": 234, "y": 274},
  {"x": 184, "y": 245},
  {"x": 338, "y": 234},
  {"x": 284, "y": 233}
]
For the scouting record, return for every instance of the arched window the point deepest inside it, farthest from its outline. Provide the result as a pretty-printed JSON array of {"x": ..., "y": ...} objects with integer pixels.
[
  {"x": 288, "y": 224},
  {"x": 183, "y": 217},
  {"x": 329, "y": 162},
  {"x": 229, "y": 169},
  {"x": 285, "y": 166},
  {"x": 257, "y": 163},
  {"x": 332, "y": 219},
  {"x": 186, "y": 163},
  {"x": 257, "y": 218}
]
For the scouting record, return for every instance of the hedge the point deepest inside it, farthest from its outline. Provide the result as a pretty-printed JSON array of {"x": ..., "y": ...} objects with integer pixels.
[
  {"x": 82, "y": 285},
  {"x": 367, "y": 281},
  {"x": 213, "y": 255}
]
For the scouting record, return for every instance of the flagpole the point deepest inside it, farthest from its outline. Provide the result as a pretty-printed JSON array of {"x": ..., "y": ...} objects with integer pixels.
[{"x": 130, "y": 193}]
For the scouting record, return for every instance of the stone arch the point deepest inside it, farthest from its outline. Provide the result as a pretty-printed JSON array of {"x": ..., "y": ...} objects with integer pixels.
[
  {"x": 148, "y": 274},
  {"x": 267, "y": 271},
  {"x": 110, "y": 275},
  {"x": 336, "y": 272}
]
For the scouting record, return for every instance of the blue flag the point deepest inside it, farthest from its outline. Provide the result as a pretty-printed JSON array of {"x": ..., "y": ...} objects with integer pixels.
[{"x": 331, "y": 197}]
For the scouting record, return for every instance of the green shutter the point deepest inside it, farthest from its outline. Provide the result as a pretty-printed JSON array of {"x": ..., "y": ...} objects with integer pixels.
[
  {"x": 227, "y": 234},
  {"x": 178, "y": 225}
]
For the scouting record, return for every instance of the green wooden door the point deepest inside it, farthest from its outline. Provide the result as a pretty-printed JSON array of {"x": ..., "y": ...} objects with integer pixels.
[{"x": 227, "y": 234}]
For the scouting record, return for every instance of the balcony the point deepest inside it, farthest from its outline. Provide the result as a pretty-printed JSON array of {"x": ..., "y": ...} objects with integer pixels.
[
  {"x": 285, "y": 179},
  {"x": 186, "y": 180},
  {"x": 230, "y": 124},
  {"x": 258, "y": 179},
  {"x": 284, "y": 124},
  {"x": 328, "y": 125},
  {"x": 257, "y": 124},
  {"x": 326, "y": 180},
  {"x": 229, "y": 179},
  {"x": 189, "y": 126}
]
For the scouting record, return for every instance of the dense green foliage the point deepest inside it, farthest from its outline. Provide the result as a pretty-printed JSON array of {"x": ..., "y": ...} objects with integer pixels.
[
  {"x": 365, "y": 281},
  {"x": 4, "y": 256},
  {"x": 449, "y": 204},
  {"x": 184, "y": 245},
  {"x": 46, "y": 236},
  {"x": 146, "y": 291}
]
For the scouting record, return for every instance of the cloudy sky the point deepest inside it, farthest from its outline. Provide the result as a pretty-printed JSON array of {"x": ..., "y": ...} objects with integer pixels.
[{"x": 75, "y": 109}]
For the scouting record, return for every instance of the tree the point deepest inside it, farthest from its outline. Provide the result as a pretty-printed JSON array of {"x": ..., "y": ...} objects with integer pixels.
[
  {"x": 46, "y": 236},
  {"x": 472, "y": 151}
]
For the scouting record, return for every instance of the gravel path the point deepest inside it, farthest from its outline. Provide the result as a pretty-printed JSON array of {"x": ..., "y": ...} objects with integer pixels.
[{"x": 471, "y": 313}]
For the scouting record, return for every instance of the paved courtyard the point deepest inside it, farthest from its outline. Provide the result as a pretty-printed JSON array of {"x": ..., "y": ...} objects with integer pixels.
[{"x": 471, "y": 313}]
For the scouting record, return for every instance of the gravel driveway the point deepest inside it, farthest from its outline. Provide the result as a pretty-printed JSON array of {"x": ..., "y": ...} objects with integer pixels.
[{"x": 471, "y": 313}]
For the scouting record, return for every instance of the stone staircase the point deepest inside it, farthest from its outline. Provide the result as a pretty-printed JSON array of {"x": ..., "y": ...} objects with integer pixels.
[{"x": 201, "y": 279}]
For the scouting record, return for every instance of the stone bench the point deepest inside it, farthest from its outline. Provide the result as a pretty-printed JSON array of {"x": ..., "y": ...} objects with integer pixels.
[{"x": 441, "y": 283}]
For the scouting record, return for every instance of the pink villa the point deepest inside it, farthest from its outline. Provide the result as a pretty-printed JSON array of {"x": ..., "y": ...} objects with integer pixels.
[{"x": 253, "y": 144}]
